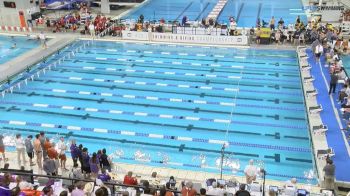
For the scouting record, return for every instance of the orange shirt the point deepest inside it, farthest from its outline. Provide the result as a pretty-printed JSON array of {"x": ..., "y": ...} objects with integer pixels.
[
  {"x": 52, "y": 153},
  {"x": 47, "y": 145}
]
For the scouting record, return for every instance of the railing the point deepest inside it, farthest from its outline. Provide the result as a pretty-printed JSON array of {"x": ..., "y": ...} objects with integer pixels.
[{"x": 113, "y": 185}]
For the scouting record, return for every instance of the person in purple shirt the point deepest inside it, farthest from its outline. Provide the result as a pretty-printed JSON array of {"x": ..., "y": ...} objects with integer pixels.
[
  {"x": 104, "y": 176},
  {"x": 4, "y": 188},
  {"x": 74, "y": 151},
  {"x": 85, "y": 162},
  {"x": 94, "y": 164}
]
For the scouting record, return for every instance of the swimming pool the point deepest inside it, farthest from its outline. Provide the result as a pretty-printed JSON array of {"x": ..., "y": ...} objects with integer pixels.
[
  {"x": 171, "y": 106},
  {"x": 246, "y": 12},
  {"x": 22, "y": 45}
]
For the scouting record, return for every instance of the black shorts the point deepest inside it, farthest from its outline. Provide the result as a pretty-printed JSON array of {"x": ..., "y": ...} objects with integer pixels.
[
  {"x": 258, "y": 37},
  {"x": 30, "y": 154},
  {"x": 317, "y": 55},
  {"x": 86, "y": 169}
]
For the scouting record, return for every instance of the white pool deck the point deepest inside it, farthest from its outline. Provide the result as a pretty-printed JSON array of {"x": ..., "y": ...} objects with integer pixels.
[{"x": 60, "y": 40}]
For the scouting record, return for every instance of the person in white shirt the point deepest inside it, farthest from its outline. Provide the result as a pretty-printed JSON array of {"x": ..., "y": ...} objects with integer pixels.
[
  {"x": 42, "y": 38},
  {"x": 61, "y": 149},
  {"x": 92, "y": 30},
  {"x": 250, "y": 172},
  {"x": 233, "y": 26},
  {"x": 318, "y": 52},
  {"x": 20, "y": 148},
  {"x": 215, "y": 190}
]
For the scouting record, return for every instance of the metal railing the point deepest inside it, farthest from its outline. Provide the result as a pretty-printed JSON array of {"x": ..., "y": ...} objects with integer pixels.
[{"x": 113, "y": 185}]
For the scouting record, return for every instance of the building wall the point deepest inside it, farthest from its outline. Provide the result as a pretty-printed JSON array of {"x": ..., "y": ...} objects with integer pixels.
[{"x": 10, "y": 16}]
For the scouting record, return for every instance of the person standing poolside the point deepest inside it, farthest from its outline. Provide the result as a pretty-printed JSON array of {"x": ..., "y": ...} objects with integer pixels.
[
  {"x": 318, "y": 51},
  {"x": 272, "y": 23},
  {"x": 62, "y": 147},
  {"x": 333, "y": 83},
  {"x": 250, "y": 172},
  {"x": 30, "y": 149},
  {"x": 2, "y": 147},
  {"x": 258, "y": 35},
  {"x": 20, "y": 148},
  {"x": 329, "y": 173},
  {"x": 38, "y": 152},
  {"x": 42, "y": 38}
]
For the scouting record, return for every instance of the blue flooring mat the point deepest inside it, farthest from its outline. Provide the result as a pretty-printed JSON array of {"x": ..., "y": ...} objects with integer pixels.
[{"x": 334, "y": 134}]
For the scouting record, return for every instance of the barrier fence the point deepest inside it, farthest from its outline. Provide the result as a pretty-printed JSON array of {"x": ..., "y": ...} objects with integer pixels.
[{"x": 184, "y": 38}]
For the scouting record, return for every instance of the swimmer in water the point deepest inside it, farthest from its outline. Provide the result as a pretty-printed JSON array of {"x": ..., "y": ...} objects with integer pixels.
[{"x": 14, "y": 46}]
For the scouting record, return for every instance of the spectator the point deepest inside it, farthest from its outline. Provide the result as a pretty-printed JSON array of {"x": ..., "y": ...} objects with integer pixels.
[
  {"x": 258, "y": 35},
  {"x": 242, "y": 191},
  {"x": 102, "y": 191},
  {"x": 188, "y": 190},
  {"x": 48, "y": 191},
  {"x": 291, "y": 182},
  {"x": 64, "y": 193},
  {"x": 202, "y": 192},
  {"x": 4, "y": 187},
  {"x": 129, "y": 180},
  {"x": 172, "y": 182},
  {"x": 233, "y": 26},
  {"x": 76, "y": 172},
  {"x": 78, "y": 191},
  {"x": 154, "y": 180},
  {"x": 104, "y": 161},
  {"x": 86, "y": 163},
  {"x": 250, "y": 172},
  {"x": 43, "y": 40},
  {"x": 2, "y": 147},
  {"x": 80, "y": 155},
  {"x": 38, "y": 151},
  {"x": 215, "y": 190},
  {"x": 62, "y": 147},
  {"x": 329, "y": 173},
  {"x": 105, "y": 177},
  {"x": 272, "y": 23},
  {"x": 281, "y": 23},
  {"x": 17, "y": 192},
  {"x": 168, "y": 192},
  {"x": 184, "y": 21},
  {"x": 47, "y": 144},
  {"x": 94, "y": 164},
  {"x": 74, "y": 151},
  {"x": 20, "y": 148},
  {"x": 30, "y": 149},
  {"x": 49, "y": 166}
]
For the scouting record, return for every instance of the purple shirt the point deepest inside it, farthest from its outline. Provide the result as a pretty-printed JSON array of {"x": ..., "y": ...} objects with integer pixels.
[{"x": 78, "y": 192}]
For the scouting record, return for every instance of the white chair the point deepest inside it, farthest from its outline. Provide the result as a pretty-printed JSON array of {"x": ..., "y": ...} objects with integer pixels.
[
  {"x": 290, "y": 191},
  {"x": 308, "y": 79}
]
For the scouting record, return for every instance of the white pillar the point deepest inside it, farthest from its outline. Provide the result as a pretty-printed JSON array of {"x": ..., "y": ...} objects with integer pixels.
[{"x": 105, "y": 7}]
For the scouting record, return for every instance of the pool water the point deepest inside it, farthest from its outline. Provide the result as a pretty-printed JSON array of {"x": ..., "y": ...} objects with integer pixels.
[
  {"x": 245, "y": 12},
  {"x": 171, "y": 106},
  {"x": 22, "y": 45}
]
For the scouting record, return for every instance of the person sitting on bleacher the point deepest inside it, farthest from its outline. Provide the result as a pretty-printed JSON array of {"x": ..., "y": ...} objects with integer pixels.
[
  {"x": 291, "y": 182},
  {"x": 129, "y": 180},
  {"x": 188, "y": 190},
  {"x": 215, "y": 190},
  {"x": 154, "y": 180},
  {"x": 4, "y": 187},
  {"x": 242, "y": 191}
]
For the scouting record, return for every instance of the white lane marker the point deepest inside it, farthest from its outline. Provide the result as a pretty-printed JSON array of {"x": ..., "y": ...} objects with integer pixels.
[
  {"x": 152, "y": 98},
  {"x": 47, "y": 125},
  {"x": 58, "y": 91},
  {"x": 127, "y": 133},
  {"x": 99, "y": 58},
  {"x": 115, "y": 111},
  {"x": 40, "y": 105},
  {"x": 74, "y": 128},
  {"x": 12, "y": 122},
  {"x": 107, "y": 94},
  {"x": 75, "y": 78},
  {"x": 99, "y": 80},
  {"x": 155, "y": 136},
  {"x": 165, "y": 116},
  {"x": 140, "y": 114},
  {"x": 68, "y": 107},
  {"x": 84, "y": 93},
  {"x": 100, "y": 130},
  {"x": 91, "y": 109}
]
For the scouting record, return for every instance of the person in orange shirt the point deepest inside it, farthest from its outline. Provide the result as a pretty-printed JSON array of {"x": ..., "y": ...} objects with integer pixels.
[
  {"x": 129, "y": 180},
  {"x": 188, "y": 190},
  {"x": 47, "y": 144},
  {"x": 51, "y": 152}
]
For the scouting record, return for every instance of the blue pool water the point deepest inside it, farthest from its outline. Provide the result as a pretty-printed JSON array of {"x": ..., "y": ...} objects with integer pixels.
[
  {"x": 246, "y": 12},
  {"x": 173, "y": 104},
  {"x": 22, "y": 45}
]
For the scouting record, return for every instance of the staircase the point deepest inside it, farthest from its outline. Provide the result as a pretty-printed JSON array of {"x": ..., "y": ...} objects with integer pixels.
[{"x": 217, "y": 9}]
